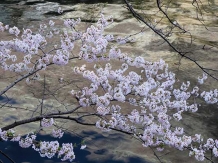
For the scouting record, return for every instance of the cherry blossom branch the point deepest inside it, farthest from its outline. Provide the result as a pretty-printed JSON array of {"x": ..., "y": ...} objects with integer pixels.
[
  {"x": 182, "y": 54},
  {"x": 38, "y": 118},
  {"x": 26, "y": 76}
]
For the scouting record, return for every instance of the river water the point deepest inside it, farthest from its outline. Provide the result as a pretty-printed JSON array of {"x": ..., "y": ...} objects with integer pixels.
[{"x": 115, "y": 147}]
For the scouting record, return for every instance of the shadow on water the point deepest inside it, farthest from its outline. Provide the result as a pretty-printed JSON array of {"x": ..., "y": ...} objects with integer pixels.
[
  {"x": 7, "y": 100},
  {"x": 21, "y": 155}
]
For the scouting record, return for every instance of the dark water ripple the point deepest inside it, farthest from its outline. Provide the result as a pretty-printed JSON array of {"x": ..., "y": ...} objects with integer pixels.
[{"x": 20, "y": 155}]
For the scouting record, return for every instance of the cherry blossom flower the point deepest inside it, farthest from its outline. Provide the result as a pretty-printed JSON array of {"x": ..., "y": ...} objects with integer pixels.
[
  {"x": 47, "y": 122},
  {"x": 83, "y": 147},
  {"x": 60, "y": 11},
  {"x": 14, "y": 30},
  {"x": 57, "y": 133}
]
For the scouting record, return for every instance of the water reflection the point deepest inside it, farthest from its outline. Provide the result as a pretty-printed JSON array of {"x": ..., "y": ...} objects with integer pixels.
[
  {"x": 10, "y": 15},
  {"x": 19, "y": 155},
  {"x": 8, "y": 100}
]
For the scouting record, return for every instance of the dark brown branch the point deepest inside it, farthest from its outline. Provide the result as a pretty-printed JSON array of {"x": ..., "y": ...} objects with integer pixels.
[
  {"x": 26, "y": 76},
  {"x": 37, "y": 118},
  {"x": 7, "y": 157},
  {"x": 166, "y": 15}
]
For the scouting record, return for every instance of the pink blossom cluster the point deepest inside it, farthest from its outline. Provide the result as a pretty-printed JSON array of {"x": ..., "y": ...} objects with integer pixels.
[
  {"x": 45, "y": 149},
  {"x": 61, "y": 57},
  {"x": 202, "y": 79},
  {"x": 94, "y": 43},
  {"x": 71, "y": 23},
  {"x": 10, "y": 134},
  {"x": 27, "y": 141},
  {"x": 28, "y": 44},
  {"x": 57, "y": 133},
  {"x": 50, "y": 149},
  {"x": 66, "y": 152},
  {"x": 154, "y": 92},
  {"x": 47, "y": 122},
  {"x": 210, "y": 97}
]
